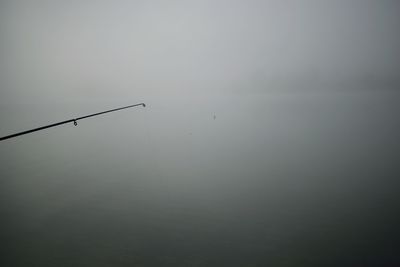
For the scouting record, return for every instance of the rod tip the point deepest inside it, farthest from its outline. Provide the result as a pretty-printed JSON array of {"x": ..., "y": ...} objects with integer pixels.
[{"x": 144, "y": 105}]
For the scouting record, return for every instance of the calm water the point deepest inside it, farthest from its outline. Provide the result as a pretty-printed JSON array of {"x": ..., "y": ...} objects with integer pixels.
[{"x": 289, "y": 179}]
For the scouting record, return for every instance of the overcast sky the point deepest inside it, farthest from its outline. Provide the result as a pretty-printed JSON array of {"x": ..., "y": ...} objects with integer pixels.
[
  {"x": 88, "y": 49},
  {"x": 271, "y": 129}
]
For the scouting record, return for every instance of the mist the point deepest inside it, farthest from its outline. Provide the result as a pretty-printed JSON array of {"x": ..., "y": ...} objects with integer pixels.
[{"x": 270, "y": 135}]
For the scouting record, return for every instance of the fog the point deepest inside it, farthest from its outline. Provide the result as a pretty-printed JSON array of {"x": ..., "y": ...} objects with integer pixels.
[{"x": 270, "y": 136}]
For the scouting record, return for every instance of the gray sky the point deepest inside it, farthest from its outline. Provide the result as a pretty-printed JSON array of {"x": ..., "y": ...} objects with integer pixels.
[
  {"x": 302, "y": 151},
  {"x": 106, "y": 49}
]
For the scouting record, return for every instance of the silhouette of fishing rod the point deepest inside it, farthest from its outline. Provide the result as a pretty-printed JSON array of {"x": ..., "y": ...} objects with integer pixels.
[{"x": 67, "y": 121}]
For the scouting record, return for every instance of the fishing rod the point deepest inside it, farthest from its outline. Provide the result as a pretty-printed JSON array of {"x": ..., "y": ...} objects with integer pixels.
[{"x": 68, "y": 121}]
